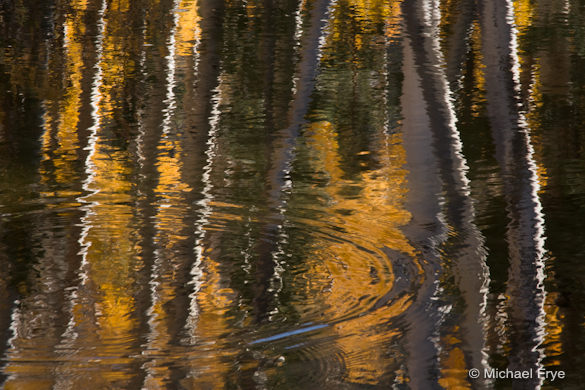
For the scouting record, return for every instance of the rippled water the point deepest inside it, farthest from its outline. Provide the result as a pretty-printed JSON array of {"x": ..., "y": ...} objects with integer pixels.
[{"x": 291, "y": 194}]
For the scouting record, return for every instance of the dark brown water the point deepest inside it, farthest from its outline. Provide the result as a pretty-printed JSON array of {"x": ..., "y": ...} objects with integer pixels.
[{"x": 291, "y": 194}]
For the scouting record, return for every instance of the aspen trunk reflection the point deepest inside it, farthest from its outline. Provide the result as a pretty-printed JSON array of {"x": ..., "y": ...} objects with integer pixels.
[
  {"x": 466, "y": 252},
  {"x": 525, "y": 230}
]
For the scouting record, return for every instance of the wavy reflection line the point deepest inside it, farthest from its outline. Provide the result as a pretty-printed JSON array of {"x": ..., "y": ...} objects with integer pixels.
[
  {"x": 298, "y": 35},
  {"x": 201, "y": 136},
  {"x": 425, "y": 230},
  {"x": 90, "y": 170},
  {"x": 536, "y": 218},
  {"x": 515, "y": 155},
  {"x": 276, "y": 255},
  {"x": 145, "y": 176},
  {"x": 8, "y": 305},
  {"x": 283, "y": 150},
  {"x": 470, "y": 255},
  {"x": 140, "y": 153},
  {"x": 426, "y": 88},
  {"x": 283, "y": 153},
  {"x": 106, "y": 313},
  {"x": 59, "y": 145},
  {"x": 155, "y": 338},
  {"x": 18, "y": 319},
  {"x": 206, "y": 209},
  {"x": 170, "y": 198},
  {"x": 459, "y": 42},
  {"x": 170, "y": 101},
  {"x": 15, "y": 322}
]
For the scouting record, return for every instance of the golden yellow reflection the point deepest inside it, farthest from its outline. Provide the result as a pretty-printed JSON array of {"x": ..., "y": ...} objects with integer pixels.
[
  {"x": 110, "y": 257},
  {"x": 478, "y": 91},
  {"x": 523, "y": 13},
  {"x": 58, "y": 171},
  {"x": 110, "y": 263},
  {"x": 365, "y": 15},
  {"x": 188, "y": 28},
  {"x": 453, "y": 366},
  {"x": 214, "y": 299},
  {"x": 554, "y": 320},
  {"x": 350, "y": 273},
  {"x": 117, "y": 63},
  {"x": 350, "y": 265},
  {"x": 60, "y": 160},
  {"x": 171, "y": 233},
  {"x": 374, "y": 11},
  {"x": 393, "y": 17}
]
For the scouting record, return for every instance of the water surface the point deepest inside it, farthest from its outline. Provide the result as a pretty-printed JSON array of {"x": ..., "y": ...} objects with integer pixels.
[{"x": 291, "y": 194}]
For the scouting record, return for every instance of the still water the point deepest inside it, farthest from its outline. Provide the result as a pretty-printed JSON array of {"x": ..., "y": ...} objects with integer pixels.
[{"x": 291, "y": 194}]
